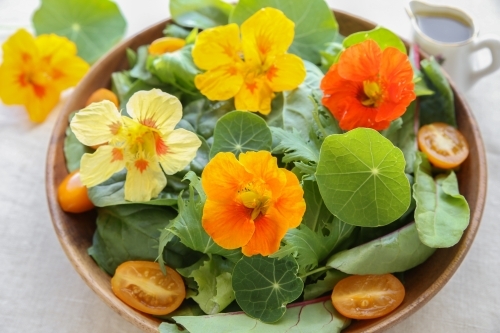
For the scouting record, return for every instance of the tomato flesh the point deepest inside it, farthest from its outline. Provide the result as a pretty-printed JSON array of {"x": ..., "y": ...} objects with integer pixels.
[
  {"x": 72, "y": 195},
  {"x": 142, "y": 285},
  {"x": 103, "y": 94},
  {"x": 443, "y": 144},
  {"x": 367, "y": 296}
]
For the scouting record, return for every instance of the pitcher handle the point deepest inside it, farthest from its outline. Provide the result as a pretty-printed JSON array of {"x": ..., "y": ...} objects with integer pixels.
[{"x": 491, "y": 43}]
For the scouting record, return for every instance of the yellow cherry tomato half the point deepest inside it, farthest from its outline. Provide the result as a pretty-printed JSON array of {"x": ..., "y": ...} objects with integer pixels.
[
  {"x": 367, "y": 296},
  {"x": 142, "y": 285},
  {"x": 166, "y": 45},
  {"x": 72, "y": 195},
  {"x": 103, "y": 94},
  {"x": 443, "y": 144}
]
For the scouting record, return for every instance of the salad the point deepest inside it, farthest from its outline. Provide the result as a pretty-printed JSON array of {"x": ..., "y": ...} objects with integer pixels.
[{"x": 253, "y": 160}]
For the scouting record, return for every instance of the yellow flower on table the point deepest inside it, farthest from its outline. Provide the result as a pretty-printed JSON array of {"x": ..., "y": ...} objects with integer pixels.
[
  {"x": 141, "y": 144},
  {"x": 35, "y": 71},
  {"x": 251, "y": 68}
]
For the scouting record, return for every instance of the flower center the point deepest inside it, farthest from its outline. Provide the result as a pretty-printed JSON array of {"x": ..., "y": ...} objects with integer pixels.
[
  {"x": 258, "y": 201},
  {"x": 372, "y": 94}
]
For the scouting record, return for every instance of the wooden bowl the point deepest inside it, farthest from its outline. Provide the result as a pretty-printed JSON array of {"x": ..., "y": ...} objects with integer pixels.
[{"x": 75, "y": 230}]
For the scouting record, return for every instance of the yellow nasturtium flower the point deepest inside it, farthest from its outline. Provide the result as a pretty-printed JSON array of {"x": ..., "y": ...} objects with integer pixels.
[
  {"x": 35, "y": 71},
  {"x": 141, "y": 143},
  {"x": 251, "y": 68}
]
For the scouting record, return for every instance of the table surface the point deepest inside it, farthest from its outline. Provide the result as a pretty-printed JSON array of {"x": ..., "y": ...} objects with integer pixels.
[{"x": 40, "y": 291}]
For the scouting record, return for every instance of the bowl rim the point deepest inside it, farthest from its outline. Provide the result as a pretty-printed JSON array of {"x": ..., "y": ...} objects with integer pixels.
[{"x": 149, "y": 323}]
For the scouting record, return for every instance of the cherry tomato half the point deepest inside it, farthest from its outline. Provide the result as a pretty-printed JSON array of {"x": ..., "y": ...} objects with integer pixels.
[
  {"x": 72, "y": 195},
  {"x": 367, "y": 296},
  {"x": 443, "y": 144},
  {"x": 103, "y": 94},
  {"x": 142, "y": 285}
]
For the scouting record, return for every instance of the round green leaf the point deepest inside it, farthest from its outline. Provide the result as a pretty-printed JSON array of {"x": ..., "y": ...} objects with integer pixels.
[
  {"x": 241, "y": 131},
  {"x": 315, "y": 24},
  {"x": 382, "y": 36},
  {"x": 263, "y": 286},
  {"x": 361, "y": 178},
  {"x": 94, "y": 25}
]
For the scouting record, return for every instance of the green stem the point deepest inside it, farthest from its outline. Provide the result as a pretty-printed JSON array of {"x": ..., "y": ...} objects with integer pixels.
[{"x": 317, "y": 270}]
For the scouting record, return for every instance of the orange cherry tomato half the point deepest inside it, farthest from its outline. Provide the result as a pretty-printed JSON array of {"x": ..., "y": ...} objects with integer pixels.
[
  {"x": 103, "y": 94},
  {"x": 367, "y": 296},
  {"x": 73, "y": 195},
  {"x": 443, "y": 144},
  {"x": 142, "y": 285}
]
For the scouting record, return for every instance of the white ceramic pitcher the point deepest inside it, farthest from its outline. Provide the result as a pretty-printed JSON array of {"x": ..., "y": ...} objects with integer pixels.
[{"x": 458, "y": 55}]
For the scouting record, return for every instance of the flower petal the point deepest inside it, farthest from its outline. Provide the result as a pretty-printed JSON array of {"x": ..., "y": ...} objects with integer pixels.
[
  {"x": 263, "y": 166},
  {"x": 396, "y": 75},
  {"x": 287, "y": 73},
  {"x": 361, "y": 61},
  {"x": 221, "y": 83},
  {"x": 96, "y": 124},
  {"x": 176, "y": 150},
  {"x": 217, "y": 46},
  {"x": 102, "y": 164},
  {"x": 223, "y": 177},
  {"x": 155, "y": 109},
  {"x": 229, "y": 223},
  {"x": 291, "y": 204},
  {"x": 269, "y": 231},
  {"x": 265, "y": 35},
  {"x": 13, "y": 87},
  {"x": 40, "y": 101},
  {"x": 255, "y": 95},
  {"x": 20, "y": 47},
  {"x": 166, "y": 45},
  {"x": 144, "y": 181}
]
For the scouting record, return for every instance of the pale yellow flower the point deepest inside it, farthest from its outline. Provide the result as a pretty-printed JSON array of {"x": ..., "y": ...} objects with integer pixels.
[{"x": 140, "y": 144}]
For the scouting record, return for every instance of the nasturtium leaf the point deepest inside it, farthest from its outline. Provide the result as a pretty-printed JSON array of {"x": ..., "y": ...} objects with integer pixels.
[
  {"x": 439, "y": 107},
  {"x": 361, "y": 178},
  {"x": 395, "y": 252},
  {"x": 73, "y": 149},
  {"x": 94, "y": 25},
  {"x": 382, "y": 36},
  {"x": 200, "y": 13},
  {"x": 317, "y": 316},
  {"x": 240, "y": 131},
  {"x": 263, "y": 286},
  {"x": 324, "y": 285},
  {"x": 187, "y": 225},
  {"x": 112, "y": 192},
  {"x": 176, "y": 68},
  {"x": 442, "y": 213},
  {"x": 213, "y": 279},
  {"x": 130, "y": 232},
  {"x": 315, "y": 24}
]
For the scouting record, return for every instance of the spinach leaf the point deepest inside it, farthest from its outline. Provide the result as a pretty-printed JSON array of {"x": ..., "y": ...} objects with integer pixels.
[
  {"x": 203, "y": 114},
  {"x": 263, "y": 286},
  {"x": 382, "y": 36},
  {"x": 315, "y": 316},
  {"x": 140, "y": 71},
  {"x": 130, "y": 232},
  {"x": 324, "y": 285},
  {"x": 200, "y": 13},
  {"x": 315, "y": 24},
  {"x": 440, "y": 106},
  {"x": 395, "y": 252},
  {"x": 442, "y": 213},
  {"x": 361, "y": 178}
]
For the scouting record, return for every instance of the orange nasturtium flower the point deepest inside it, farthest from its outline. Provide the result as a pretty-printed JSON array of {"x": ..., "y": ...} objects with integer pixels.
[
  {"x": 251, "y": 68},
  {"x": 251, "y": 203},
  {"x": 35, "y": 71},
  {"x": 141, "y": 143},
  {"x": 368, "y": 87}
]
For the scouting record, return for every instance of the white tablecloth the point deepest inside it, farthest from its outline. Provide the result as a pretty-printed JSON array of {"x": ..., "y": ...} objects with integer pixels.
[{"x": 39, "y": 290}]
